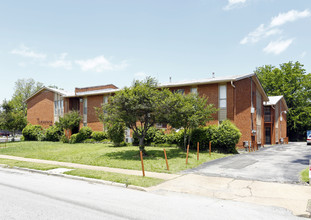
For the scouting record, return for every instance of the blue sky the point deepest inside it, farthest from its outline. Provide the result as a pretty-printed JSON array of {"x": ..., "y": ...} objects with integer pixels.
[{"x": 75, "y": 43}]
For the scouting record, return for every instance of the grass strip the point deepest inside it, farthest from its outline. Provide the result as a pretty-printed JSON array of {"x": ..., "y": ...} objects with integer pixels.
[
  {"x": 116, "y": 177},
  {"x": 95, "y": 174},
  {"x": 29, "y": 165},
  {"x": 304, "y": 175}
]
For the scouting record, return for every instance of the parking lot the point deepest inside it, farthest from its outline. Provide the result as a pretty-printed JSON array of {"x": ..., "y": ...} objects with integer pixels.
[{"x": 278, "y": 163}]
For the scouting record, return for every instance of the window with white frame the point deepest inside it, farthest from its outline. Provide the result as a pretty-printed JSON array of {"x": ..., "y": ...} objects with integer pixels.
[
  {"x": 85, "y": 112},
  {"x": 194, "y": 90},
  {"x": 222, "y": 113}
]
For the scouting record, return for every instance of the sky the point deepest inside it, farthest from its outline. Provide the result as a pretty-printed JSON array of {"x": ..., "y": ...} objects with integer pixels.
[{"x": 75, "y": 43}]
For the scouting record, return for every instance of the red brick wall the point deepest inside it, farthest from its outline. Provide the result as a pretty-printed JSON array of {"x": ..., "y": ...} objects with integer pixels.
[
  {"x": 242, "y": 118},
  {"x": 92, "y": 120},
  {"x": 40, "y": 109},
  {"x": 284, "y": 122},
  {"x": 211, "y": 92},
  {"x": 93, "y": 88}
]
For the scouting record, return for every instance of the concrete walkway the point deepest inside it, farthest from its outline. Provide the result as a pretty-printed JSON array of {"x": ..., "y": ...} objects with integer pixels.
[
  {"x": 289, "y": 196},
  {"x": 164, "y": 176}
]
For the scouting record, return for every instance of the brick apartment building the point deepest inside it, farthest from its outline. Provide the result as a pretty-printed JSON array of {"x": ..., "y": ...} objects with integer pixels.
[{"x": 241, "y": 99}]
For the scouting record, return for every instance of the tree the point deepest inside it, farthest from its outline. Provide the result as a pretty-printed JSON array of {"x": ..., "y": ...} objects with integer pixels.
[
  {"x": 136, "y": 106},
  {"x": 291, "y": 81},
  {"x": 70, "y": 121},
  {"x": 188, "y": 112},
  {"x": 23, "y": 89},
  {"x": 10, "y": 119}
]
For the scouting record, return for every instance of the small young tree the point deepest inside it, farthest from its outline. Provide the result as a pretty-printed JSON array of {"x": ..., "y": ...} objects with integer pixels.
[
  {"x": 70, "y": 121},
  {"x": 136, "y": 106},
  {"x": 188, "y": 112}
]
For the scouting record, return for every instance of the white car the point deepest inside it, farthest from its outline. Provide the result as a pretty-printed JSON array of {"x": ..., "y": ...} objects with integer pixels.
[{"x": 309, "y": 139}]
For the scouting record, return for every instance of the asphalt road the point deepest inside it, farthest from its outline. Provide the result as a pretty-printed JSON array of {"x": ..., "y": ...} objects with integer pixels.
[
  {"x": 26, "y": 195},
  {"x": 278, "y": 163}
]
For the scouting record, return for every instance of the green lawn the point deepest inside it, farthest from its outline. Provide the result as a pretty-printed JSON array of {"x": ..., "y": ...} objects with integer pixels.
[
  {"x": 109, "y": 156},
  {"x": 304, "y": 175},
  {"x": 114, "y": 177}
]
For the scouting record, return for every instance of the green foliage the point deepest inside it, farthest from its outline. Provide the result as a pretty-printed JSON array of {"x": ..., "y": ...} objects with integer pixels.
[
  {"x": 116, "y": 133},
  {"x": 64, "y": 139},
  {"x": 291, "y": 81},
  {"x": 136, "y": 106},
  {"x": 53, "y": 133},
  {"x": 24, "y": 88},
  {"x": 11, "y": 119},
  {"x": 71, "y": 120},
  {"x": 32, "y": 132},
  {"x": 153, "y": 135},
  {"x": 223, "y": 137},
  {"x": 99, "y": 135},
  {"x": 74, "y": 139},
  {"x": 188, "y": 112},
  {"x": 84, "y": 134}
]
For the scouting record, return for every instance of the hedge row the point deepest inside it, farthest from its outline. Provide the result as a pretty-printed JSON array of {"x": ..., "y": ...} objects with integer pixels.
[{"x": 223, "y": 137}]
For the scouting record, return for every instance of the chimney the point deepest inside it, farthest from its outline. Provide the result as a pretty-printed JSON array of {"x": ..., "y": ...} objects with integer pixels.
[
  {"x": 213, "y": 74},
  {"x": 170, "y": 79}
]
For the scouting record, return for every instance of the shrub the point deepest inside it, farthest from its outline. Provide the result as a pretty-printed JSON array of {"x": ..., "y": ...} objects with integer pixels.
[
  {"x": 32, "y": 132},
  {"x": 223, "y": 137},
  {"x": 99, "y": 135},
  {"x": 84, "y": 133},
  {"x": 227, "y": 137},
  {"x": 74, "y": 139},
  {"x": 90, "y": 140},
  {"x": 64, "y": 139},
  {"x": 53, "y": 133},
  {"x": 116, "y": 133}
]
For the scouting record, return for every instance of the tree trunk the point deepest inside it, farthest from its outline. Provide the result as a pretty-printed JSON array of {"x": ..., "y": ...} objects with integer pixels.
[
  {"x": 142, "y": 145},
  {"x": 185, "y": 139}
]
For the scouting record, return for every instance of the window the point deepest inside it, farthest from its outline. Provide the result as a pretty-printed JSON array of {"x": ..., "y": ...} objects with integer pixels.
[
  {"x": 55, "y": 107},
  {"x": 85, "y": 112},
  {"x": 267, "y": 110},
  {"x": 180, "y": 91},
  {"x": 105, "y": 99},
  {"x": 222, "y": 113},
  {"x": 194, "y": 90},
  {"x": 223, "y": 96}
]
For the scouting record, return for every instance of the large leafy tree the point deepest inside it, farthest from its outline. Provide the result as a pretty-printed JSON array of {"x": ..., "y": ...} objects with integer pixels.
[
  {"x": 290, "y": 80},
  {"x": 136, "y": 106},
  {"x": 23, "y": 89},
  {"x": 11, "y": 119},
  {"x": 188, "y": 112}
]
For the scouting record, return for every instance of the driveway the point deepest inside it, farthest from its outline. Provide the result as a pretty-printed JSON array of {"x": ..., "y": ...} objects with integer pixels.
[{"x": 278, "y": 163}]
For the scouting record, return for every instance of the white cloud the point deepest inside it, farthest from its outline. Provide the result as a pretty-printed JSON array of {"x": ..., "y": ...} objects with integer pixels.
[
  {"x": 61, "y": 62},
  {"x": 140, "y": 75},
  {"x": 259, "y": 33},
  {"x": 303, "y": 54},
  {"x": 278, "y": 46},
  {"x": 100, "y": 64},
  {"x": 289, "y": 16},
  {"x": 27, "y": 52},
  {"x": 234, "y": 4},
  {"x": 264, "y": 31}
]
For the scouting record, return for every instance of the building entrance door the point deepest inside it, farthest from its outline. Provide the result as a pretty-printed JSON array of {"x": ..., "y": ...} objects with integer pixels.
[{"x": 267, "y": 135}]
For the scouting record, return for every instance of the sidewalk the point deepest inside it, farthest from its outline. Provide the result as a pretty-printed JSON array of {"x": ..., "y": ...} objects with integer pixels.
[
  {"x": 291, "y": 197},
  {"x": 164, "y": 176}
]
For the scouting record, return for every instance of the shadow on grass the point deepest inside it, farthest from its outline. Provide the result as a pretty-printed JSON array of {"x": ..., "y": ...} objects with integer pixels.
[{"x": 151, "y": 154}]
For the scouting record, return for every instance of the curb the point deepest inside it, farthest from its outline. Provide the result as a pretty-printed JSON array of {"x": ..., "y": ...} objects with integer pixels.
[{"x": 85, "y": 179}]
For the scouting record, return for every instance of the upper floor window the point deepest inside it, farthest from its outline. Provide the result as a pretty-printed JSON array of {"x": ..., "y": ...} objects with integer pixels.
[
  {"x": 268, "y": 115},
  {"x": 194, "y": 90},
  {"x": 222, "y": 96}
]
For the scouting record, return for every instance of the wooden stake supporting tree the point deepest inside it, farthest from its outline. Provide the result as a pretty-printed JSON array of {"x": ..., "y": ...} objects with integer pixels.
[
  {"x": 166, "y": 160},
  {"x": 198, "y": 149},
  {"x": 142, "y": 162},
  {"x": 187, "y": 154}
]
